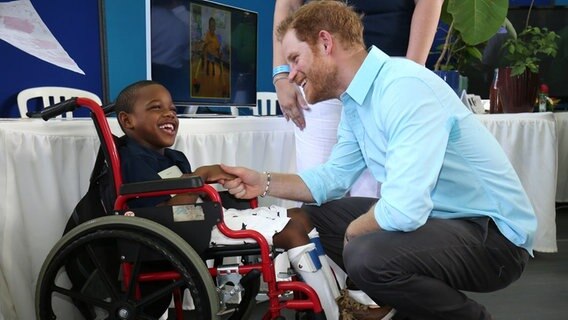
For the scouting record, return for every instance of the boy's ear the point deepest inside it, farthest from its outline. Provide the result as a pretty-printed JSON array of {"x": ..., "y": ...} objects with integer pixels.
[{"x": 125, "y": 120}]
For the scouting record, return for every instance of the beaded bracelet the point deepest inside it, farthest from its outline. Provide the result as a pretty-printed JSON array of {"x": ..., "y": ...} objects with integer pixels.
[
  {"x": 268, "y": 178},
  {"x": 280, "y": 69}
]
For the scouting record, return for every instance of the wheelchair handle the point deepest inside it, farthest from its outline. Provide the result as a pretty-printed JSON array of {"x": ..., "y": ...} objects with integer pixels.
[
  {"x": 59, "y": 109},
  {"x": 62, "y": 107}
]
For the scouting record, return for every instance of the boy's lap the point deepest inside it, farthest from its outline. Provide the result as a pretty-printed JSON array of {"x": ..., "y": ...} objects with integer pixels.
[{"x": 266, "y": 220}]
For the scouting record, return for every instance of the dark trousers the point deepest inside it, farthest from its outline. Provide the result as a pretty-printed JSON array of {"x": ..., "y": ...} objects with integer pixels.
[{"x": 421, "y": 273}]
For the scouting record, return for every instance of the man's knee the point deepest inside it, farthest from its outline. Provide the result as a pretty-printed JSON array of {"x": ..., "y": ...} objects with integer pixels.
[{"x": 364, "y": 261}]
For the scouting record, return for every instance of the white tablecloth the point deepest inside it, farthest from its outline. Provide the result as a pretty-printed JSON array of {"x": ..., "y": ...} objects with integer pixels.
[
  {"x": 45, "y": 168},
  {"x": 562, "y": 130}
]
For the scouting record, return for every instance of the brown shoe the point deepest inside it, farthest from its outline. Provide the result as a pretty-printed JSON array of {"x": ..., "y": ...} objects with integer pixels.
[{"x": 350, "y": 309}]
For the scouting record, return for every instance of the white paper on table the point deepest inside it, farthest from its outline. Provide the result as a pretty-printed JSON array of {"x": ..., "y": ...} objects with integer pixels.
[{"x": 22, "y": 27}]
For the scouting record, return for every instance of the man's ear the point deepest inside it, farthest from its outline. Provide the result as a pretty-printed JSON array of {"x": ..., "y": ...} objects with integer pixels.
[
  {"x": 326, "y": 40},
  {"x": 125, "y": 120}
]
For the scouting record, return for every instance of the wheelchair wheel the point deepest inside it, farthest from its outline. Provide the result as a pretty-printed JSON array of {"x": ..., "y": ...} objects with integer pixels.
[{"x": 81, "y": 275}]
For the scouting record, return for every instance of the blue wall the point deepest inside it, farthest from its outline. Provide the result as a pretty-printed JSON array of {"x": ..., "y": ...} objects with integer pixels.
[
  {"x": 126, "y": 43},
  {"x": 75, "y": 24}
]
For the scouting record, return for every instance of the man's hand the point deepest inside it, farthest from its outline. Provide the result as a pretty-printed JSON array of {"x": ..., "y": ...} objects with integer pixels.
[
  {"x": 364, "y": 224},
  {"x": 291, "y": 102},
  {"x": 213, "y": 173},
  {"x": 248, "y": 183}
]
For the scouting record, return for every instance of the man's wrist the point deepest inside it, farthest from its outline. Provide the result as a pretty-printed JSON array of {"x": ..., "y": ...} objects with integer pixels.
[
  {"x": 283, "y": 68},
  {"x": 267, "y": 185},
  {"x": 280, "y": 76}
]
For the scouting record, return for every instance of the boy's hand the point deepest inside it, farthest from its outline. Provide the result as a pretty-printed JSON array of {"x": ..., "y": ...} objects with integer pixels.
[
  {"x": 248, "y": 184},
  {"x": 213, "y": 173}
]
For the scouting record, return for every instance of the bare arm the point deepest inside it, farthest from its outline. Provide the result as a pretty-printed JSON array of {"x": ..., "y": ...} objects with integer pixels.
[
  {"x": 290, "y": 98},
  {"x": 250, "y": 184},
  {"x": 365, "y": 223},
  {"x": 423, "y": 28}
]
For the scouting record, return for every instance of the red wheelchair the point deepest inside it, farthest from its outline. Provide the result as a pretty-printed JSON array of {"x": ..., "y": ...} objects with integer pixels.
[{"x": 130, "y": 263}]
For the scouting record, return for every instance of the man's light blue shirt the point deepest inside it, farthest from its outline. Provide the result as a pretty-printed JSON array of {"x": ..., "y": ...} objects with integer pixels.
[{"x": 431, "y": 154}]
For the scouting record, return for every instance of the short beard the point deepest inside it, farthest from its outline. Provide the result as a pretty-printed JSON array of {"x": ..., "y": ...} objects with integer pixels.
[{"x": 325, "y": 81}]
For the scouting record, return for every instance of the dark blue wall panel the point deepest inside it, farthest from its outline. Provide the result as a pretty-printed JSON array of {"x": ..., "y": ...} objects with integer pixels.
[{"x": 75, "y": 24}]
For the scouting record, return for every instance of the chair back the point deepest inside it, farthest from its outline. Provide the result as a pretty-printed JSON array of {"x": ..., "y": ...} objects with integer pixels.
[
  {"x": 266, "y": 104},
  {"x": 51, "y": 96}
]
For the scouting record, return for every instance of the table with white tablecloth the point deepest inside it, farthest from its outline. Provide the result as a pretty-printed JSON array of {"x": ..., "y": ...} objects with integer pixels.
[
  {"x": 562, "y": 132},
  {"x": 45, "y": 168}
]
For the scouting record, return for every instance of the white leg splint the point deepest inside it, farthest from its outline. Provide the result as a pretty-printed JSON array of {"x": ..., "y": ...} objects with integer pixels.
[
  {"x": 314, "y": 238},
  {"x": 306, "y": 263},
  {"x": 335, "y": 274}
]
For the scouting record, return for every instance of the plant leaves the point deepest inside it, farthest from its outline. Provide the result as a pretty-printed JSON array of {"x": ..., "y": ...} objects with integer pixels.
[{"x": 477, "y": 20}]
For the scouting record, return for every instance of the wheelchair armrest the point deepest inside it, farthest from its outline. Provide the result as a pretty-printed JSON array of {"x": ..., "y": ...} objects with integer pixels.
[{"x": 161, "y": 185}]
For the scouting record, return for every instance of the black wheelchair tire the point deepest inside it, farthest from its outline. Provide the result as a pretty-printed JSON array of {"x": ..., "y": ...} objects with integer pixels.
[{"x": 145, "y": 234}]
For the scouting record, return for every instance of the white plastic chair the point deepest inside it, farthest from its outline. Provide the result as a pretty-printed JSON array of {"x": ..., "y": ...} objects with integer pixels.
[
  {"x": 266, "y": 104},
  {"x": 52, "y": 95}
]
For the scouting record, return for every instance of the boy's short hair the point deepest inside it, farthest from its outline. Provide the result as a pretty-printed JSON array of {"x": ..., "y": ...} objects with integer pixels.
[
  {"x": 127, "y": 97},
  {"x": 336, "y": 17}
]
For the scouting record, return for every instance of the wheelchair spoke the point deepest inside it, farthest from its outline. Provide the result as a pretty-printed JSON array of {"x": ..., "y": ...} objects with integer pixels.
[
  {"x": 144, "y": 317},
  {"x": 159, "y": 293},
  {"x": 81, "y": 297},
  {"x": 111, "y": 287},
  {"x": 134, "y": 276}
]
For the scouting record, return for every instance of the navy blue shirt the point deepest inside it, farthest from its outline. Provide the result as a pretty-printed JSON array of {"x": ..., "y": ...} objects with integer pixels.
[
  {"x": 139, "y": 164},
  {"x": 387, "y": 24}
]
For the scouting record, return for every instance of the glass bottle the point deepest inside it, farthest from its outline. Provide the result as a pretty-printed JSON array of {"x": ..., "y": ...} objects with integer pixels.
[
  {"x": 542, "y": 98},
  {"x": 494, "y": 101}
]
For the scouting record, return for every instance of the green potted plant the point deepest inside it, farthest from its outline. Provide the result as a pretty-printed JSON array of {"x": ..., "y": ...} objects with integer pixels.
[
  {"x": 470, "y": 24},
  {"x": 519, "y": 80}
]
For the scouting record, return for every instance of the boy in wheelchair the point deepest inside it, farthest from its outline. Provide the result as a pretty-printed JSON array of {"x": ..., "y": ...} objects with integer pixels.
[{"x": 148, "y": 118}]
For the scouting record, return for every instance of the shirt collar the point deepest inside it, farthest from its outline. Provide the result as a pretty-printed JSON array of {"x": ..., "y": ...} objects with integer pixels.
[{"x": 363, "y": 80}]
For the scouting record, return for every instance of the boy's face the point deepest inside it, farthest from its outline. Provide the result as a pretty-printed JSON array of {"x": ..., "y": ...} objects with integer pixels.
[{"x": 153, "y": 121}]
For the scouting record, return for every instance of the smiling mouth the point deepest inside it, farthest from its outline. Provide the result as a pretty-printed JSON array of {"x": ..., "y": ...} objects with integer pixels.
[
  {"x": 303, "y": 83},
  {"x": 168, "y": 127}
]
